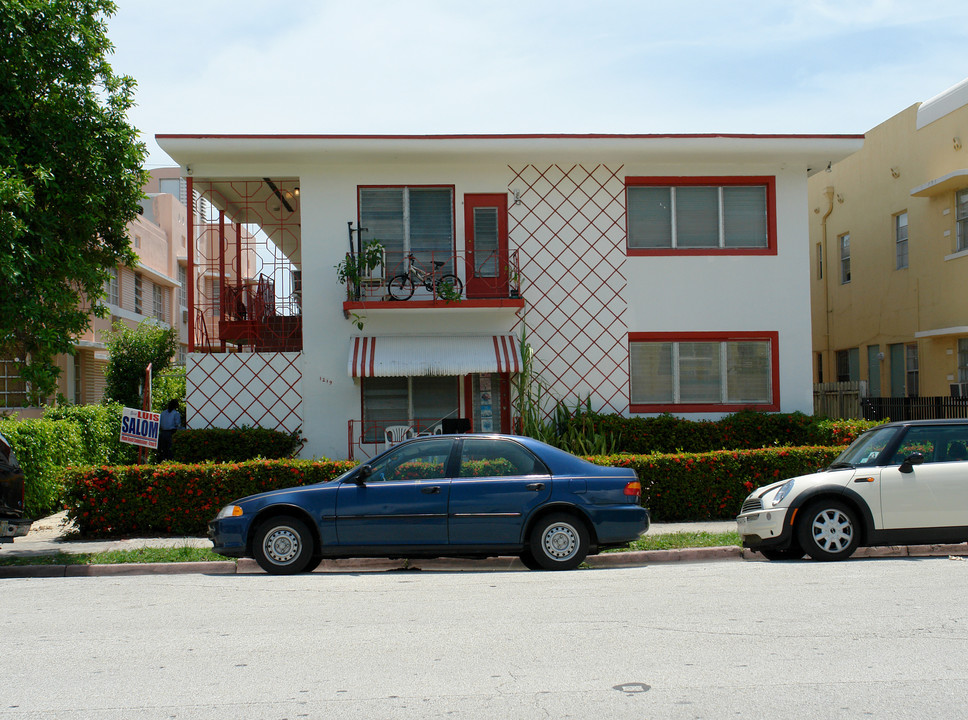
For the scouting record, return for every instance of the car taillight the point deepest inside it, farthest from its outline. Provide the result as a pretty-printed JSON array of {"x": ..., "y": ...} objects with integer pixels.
[{"x": 633, "y": 489}]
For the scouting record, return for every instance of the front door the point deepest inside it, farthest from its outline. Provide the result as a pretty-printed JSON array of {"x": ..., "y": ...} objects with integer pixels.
[
  {"x": 486, "y": 236},
  {"x": 935, "y": 493},
  {"x": 402, "y": 502}
]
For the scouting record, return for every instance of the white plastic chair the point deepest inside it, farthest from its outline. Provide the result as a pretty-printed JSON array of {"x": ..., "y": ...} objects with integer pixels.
[{"x": 395, "y": 434}]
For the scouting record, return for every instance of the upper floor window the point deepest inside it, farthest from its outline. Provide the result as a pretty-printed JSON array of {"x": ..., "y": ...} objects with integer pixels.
[
  {"x": 961, "y": 213},
  {"x": 112, "y": 288},
  {"x": 158, "y": 302},
  {"x": 182, "y": 286},
  {"x": 138, "y": 293},
  {"x": 686, "y": 215},
  {"x": 418, "y": 220},
  {"x": 696, "y": 372},
  {"x": 901, "y": 239},
  {"x": 845, "y": 258}
]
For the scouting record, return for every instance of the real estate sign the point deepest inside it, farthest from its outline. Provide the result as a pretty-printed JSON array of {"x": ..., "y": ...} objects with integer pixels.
[{"x": 139, "y": 427}]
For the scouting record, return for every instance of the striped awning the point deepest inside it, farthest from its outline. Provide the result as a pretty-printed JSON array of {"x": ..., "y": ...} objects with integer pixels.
[{"x": 421, "y": 355}]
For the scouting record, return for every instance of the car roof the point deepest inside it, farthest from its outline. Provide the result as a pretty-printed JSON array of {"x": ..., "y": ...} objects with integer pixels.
[
  {"x": 559, "y": 462},
  {"x": 914, "y": 423}
]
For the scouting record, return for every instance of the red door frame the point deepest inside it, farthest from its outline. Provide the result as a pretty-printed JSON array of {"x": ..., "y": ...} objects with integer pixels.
[{"x": 489, "y": 286}]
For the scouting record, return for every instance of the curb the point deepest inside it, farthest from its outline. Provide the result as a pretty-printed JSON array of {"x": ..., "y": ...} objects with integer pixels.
[{"x": 639, "y": 558}]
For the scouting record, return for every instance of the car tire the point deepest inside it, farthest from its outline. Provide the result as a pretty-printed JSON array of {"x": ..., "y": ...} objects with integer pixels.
[
  {"x": 283, "y": 545},
  {"x": 313, "y": 563},
  {"x": 559, "y": 542},
  {"x": 527, "y": 559},
  {"x": 828, "y": 530},
  {"x": 793, "y": 553}
]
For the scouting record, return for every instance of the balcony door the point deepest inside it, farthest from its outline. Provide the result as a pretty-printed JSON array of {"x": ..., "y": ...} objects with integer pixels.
[{"x": 486, "y": 236}]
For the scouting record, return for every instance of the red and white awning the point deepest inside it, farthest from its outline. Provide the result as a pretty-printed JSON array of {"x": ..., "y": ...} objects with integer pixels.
[{"x": 421, "y": 355}]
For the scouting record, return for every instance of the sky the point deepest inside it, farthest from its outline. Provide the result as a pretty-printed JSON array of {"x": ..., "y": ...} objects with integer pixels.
[{"x": 532, "y": 66}]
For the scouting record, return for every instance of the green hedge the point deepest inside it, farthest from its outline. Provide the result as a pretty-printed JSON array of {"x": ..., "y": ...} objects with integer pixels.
[
  {"x": 177, "y": 499},
  {"x": 235, "y": 445},
  {"x": 43, "y": 448},
  {"x": 740, "y": 431},
  {"x": 691, "y": 487},
  {"x": 100, "y": 427}
]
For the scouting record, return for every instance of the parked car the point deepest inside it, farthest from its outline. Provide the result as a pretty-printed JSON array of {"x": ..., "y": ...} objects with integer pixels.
[
  {"x": 470, "y": 496},
  {"x": 12, "y": 522},
  {"x": 901, "y": 483}
]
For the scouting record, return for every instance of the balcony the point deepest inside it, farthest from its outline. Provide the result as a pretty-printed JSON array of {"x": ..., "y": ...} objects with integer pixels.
[{"x": 422, "y": 280}]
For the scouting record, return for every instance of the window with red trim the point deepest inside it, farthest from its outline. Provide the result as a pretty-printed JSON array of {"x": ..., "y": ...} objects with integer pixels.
[
  {"x": 700, "y": 372},
  {"x": 701, "y": 215}
]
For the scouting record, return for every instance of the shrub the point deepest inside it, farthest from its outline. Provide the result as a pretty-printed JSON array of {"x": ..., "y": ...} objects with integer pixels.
[
  {"x": 740, "y": 431},
  {"x": 43, "y": 448},
  {"x": 234, "y": 445},
  {"x": 100, "y": 428},
  {"x": 177, "y": 499},
  {"x": 712, "y": 486}
]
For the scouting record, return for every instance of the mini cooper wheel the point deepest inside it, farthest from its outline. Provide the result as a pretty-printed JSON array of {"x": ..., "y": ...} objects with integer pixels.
[
  {"x": 559, "y": 542},
  {"x": 828, "y": 530},
  {"x": 283, "y": 545}
]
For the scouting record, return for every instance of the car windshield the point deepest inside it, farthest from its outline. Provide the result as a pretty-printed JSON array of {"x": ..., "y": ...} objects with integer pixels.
[{"x": 866, "y": 449}]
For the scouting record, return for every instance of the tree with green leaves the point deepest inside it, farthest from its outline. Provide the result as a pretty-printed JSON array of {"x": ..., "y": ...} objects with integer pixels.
[
  {"x": 131, "y": 351},
  {"x": 70, "y": 178}
]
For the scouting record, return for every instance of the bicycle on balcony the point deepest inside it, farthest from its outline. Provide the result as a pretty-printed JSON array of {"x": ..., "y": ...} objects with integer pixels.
[{"x": 447, "y": 286}]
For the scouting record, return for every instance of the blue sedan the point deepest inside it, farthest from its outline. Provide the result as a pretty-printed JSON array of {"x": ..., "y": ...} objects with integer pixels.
[{"x": 471, "y": 496}]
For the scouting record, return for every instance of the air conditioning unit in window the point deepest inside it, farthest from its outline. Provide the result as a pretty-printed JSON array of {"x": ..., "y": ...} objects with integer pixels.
[
  {"x": 184, "y": 317},
  {"x": 958, "y": 390}
]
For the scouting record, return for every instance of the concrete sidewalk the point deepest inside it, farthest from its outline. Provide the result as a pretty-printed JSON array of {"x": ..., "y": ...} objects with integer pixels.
[{"x": 52, "y": 535}]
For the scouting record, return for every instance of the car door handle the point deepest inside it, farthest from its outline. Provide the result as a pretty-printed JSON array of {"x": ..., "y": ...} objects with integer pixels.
[
  {"x": 534, "y": 486},
  {"x": 431, "y": 490}
]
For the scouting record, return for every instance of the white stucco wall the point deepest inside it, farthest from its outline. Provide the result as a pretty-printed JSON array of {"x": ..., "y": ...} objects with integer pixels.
[{"x": 653, "y": 294}]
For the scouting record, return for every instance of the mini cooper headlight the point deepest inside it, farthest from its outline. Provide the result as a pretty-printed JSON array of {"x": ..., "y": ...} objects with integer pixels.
[
  {"x": 229, "y": 511},
  {"x": 784, "y": 490}
]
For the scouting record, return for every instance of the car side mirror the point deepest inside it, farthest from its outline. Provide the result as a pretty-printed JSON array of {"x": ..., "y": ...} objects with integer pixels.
[
  {"x": 363, "y": 474},
  {"x": 910, "y": 461}
]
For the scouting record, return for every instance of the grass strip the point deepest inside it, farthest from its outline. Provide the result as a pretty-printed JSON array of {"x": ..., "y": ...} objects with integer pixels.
[
  {"x": 187, "y": 553},
  {"x": 680, "y": 540},
  {"x": 182, "y": 554}
]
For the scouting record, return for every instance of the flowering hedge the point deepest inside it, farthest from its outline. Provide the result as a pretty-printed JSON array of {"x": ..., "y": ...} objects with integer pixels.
[
  {"x": 181, "y": 499},
  {"x": 177, "y": 499},
  {"x": 712, "y": 486}
]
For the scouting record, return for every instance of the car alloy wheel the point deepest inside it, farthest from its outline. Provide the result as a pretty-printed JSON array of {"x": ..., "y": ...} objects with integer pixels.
[
  {"x": 559, "y": 542},
  {"x": 829, "y": 531},
  {"x": 283, "y": 545}
]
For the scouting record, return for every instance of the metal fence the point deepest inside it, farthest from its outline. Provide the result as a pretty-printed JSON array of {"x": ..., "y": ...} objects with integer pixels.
[{"x": 914, "y": 408}]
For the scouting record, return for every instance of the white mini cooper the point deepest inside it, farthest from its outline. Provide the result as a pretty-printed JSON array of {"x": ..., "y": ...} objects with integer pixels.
[{"x": 903, "y": 483}]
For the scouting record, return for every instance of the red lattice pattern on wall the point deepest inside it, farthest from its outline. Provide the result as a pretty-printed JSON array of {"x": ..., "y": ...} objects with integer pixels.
[
  {"x": 570, "y": 226},
  {"x": 234, "y": 389}
]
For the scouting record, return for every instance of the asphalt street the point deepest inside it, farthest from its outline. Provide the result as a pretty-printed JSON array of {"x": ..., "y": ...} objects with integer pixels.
[{"x": 880, "y": 638}]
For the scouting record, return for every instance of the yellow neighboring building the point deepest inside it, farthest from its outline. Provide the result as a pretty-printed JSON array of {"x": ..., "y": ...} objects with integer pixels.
[{"x": 889, "y": 237}]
